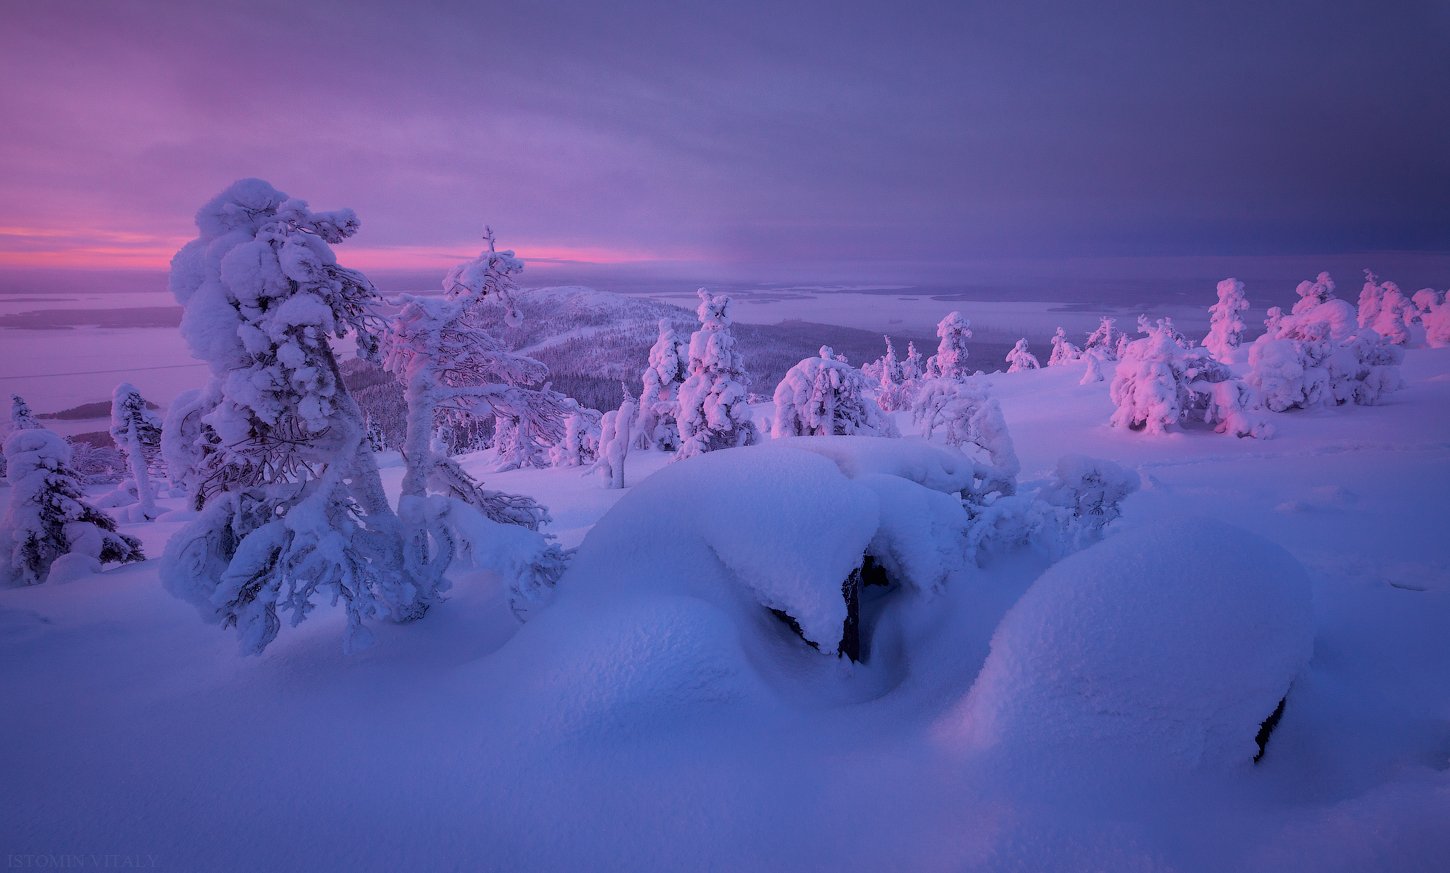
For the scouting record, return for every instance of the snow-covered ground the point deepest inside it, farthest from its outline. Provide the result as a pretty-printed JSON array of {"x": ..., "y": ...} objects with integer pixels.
[{"x": 627, "y": 727}]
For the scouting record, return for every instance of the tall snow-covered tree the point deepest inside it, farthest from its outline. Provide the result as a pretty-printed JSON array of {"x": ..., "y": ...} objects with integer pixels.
[
  {"x": 1226, "y": 321},
  {"x": 822, "y": 396},
  {"x": 293, "y": 508},
  {"x": 912, "y": 367},
  {"x": 712, "y": 411},
  {"x": 1385, "y": 309},
  {"x": 137, "y": 432},
  {"x": 669, "y": 360},
  {"x": 48, "y": 517},
  {"x": 950, "y": 360},
  {"x": 1019, "y": 358},
  {"x": 580, "y": 445},
  {"x": 1063, "y": 351}
]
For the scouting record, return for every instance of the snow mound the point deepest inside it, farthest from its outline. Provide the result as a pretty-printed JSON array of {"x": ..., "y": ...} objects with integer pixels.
[
  {"x": 1161, "y": 649},
  {"x": 778, "y": 523}
]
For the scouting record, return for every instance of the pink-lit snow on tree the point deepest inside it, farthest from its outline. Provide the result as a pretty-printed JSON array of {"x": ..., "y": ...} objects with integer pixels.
[
  {"x": 1019, "y": 358},
  {"x": 668, "y": 366},
  {"x": 950, "y": 360},
  {"x": 712, "y": 412},
  {"x": 1063, "y": 351},
  {"x": 1226, "y": 321},
  {"x": 822, "y": 396}
]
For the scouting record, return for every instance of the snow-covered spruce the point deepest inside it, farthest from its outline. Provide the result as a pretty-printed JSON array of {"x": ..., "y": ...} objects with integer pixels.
[
  {"x": 967, "y": 417},
  {"x": 1094, "y": 370},
  {"x": 48, "y": 518},
  {"x": 1436, "y": 319},
  {"x": 1068, "y": 512},
  {"x": 452, "y": 367},
  {"x": 1104, "y": 339},
  {"x": 292, "y": 505},
  {"x": 822, "y": 396},
  {"x": 712, "y": 411},
  {"x": 1226, "y": 321},
  {"x": 615, "y": 435},
  {"x": 137, "y": 432},
  {"x": 187, "y": 439},
  {"x": 1019, "y": 358},
  {"x": 1063, "y": 351},
  {"x": 659, "y": 399},
  {"x": 896, "y": 381},
  {"x": 950, "y": 360}
]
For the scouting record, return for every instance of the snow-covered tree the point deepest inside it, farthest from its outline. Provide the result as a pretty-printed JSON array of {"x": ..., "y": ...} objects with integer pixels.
[
  {"x": 912, "y": 367},
  {"x": 1019, "y": 358},
  {"x": 1159, "y": 384},
  {"x": 1436, "y": 319},
  {"x": 822, "y": 396},
  {"x": 1226, "y": 320},
  {"x": 21, "y": 418},
  {"x": 48, "y": 517},
  {"x": 950, "y": 360},
  {"x": 1425, "y": 300},
  {"x": 137, "y": 432},
  {"x": 1104, "y": 339},
  {"x": 712, "y": 412},
  {"x": 1094, "y": 371},
  {"x": 969, "y": 418},
  {"x": 1063, "y": 351},
  {"x": 580, "y": 445},
  {"x": 187, "y": 440},
  {"x": 668, "y": 367},
  {"x": 1385, "y": 309},
  {"x": 615, "y": 431},
  {"x": 1314, "y": 358},
  {"x": 1313, "y": 293},
  {"x": 896, "y": 380},
  {"x": 293, "y": 508}
]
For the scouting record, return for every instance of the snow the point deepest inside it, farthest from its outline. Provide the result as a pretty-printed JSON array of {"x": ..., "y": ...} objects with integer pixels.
[
  {"x": 1153, "y": 652},
  {"x": 656, "y": 716}
]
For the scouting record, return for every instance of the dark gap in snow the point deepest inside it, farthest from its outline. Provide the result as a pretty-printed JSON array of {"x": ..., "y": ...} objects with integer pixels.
[
  {"x": 869, "y": 574},
  {"x": 1267, "y": 727}
]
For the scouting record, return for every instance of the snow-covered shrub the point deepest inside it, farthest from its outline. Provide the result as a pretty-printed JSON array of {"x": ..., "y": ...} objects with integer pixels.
[
  {"x": 1120, "y": 664},
  {"x": 969, "y": 418},
  {"x": 1020, "y": 359},
  {"x": 293, "y": 508},
  {"x": 822, "y": 396},
  {"x": 1094, "y": 371},
  {"x": 1318, "y": 303},
  {"x": 712, "y": 412},
  {"x": 668, "y": 366},
  {"x": 1104, "y": 339},
  {"x": 1226, "y": 320},
  {"x": 1314, "y": 358},
  {"x": 615, "y": 432},
  {"x": 48, "y": 516},
  {"x": 1063, "y": 351},
  {"x": 101, "y": 465},
  {"x": 950, "y": 360},
  {"x": 137, "y": 432},
  {"x": 1159, "y": 384},
  {"x": 1091, "y": 491}
]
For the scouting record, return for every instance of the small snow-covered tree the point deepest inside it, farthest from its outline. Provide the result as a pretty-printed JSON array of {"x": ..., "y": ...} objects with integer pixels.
[
  {"x": 48, "y": 517},
  {"x": 580, "y": 445},
  {"x": 950, "y": 360},
  {"x": 1104, "y": 339},
  {"x": 1226, "y": 321},
  {"x": 668, "y": 367},
  {"x": 1020, "y": 359},
  {"x": 1313, "y": 293},
  {"x": 1314, "y": 357},
  {"x": 970, "y": 419},
  {"x": 822, "y": 396},
  {"x": 1159, "y": 383},
  {"x": 1089, "y": 493},
  {"x": 293, "y": 508},
  {"x": 137, "y": 432},
  {"x": 1385, "y": 309},
  {"x": 21, "y": 418},
  {"x": 713, "y": 413},
  {"x": 1436, "y": 319},
  {"x": 1094, "y": 371},
  {"x": 614, "y": 438},
  {"x": 1063, "y": 351},
  {"x": 1425, "y": 300},
  {"x": 912, "y": 367}
]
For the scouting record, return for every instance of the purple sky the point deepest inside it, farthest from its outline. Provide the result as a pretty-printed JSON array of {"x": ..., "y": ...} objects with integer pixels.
[{"x": 872, "y": 141}]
